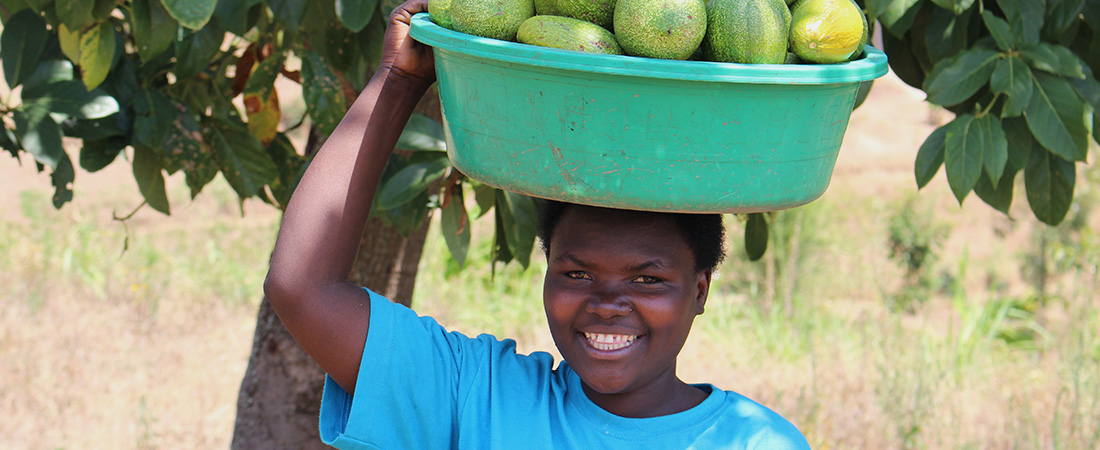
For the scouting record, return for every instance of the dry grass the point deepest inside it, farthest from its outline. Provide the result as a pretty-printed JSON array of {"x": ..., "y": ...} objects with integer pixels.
[{"x": 145, "y": 349}]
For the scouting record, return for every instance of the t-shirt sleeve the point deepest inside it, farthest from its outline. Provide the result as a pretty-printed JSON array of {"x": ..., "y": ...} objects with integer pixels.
[{"x": 410, "y": 384}]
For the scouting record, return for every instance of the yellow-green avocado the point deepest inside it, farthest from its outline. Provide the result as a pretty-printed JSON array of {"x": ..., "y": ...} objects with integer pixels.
[{"x": 568, "y": 34}]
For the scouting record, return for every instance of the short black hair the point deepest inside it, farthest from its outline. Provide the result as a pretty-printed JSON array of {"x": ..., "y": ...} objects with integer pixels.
[{"x": 704, "y": 234}]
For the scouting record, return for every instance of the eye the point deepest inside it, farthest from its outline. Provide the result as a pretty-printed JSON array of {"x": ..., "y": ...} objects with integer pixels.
[
  {"x": 646, "y": 279},
  {"x": 578, "y": 275}
]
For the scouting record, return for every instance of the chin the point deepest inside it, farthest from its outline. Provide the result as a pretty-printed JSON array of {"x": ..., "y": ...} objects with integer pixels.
[{"x": 603, "y": 384}]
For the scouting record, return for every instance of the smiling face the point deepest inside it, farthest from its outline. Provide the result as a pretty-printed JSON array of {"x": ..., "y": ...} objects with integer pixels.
[{"x": 621, "y": 292}]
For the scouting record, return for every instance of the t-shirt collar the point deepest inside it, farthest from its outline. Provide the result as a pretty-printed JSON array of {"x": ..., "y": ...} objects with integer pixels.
[{"x": 638, "y": 429}]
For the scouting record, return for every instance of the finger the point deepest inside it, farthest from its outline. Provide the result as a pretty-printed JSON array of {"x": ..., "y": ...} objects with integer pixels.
[{"x": 403, "y": 13}]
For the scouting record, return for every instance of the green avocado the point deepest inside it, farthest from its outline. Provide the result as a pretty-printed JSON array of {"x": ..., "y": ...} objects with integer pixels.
[
  {"x": 546, "y": 8},
  {"x": 497, "y": 19},
  {"x": 666, "y": 29},
  {"x": 599, "y": 12},
  {"x": 749, "y": 32},
  {"x": 568, "y": 34},
  {"x": 440, "y": 11}
]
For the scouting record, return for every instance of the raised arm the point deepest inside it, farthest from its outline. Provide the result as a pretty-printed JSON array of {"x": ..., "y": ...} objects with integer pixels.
[{"x": 307, "y": 283}]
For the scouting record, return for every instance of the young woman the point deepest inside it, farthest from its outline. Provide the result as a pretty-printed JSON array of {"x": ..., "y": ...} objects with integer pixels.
[{"x": 621, "y": 291}]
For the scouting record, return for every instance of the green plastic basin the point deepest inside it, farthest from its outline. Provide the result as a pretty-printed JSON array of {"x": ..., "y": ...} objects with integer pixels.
[{"x": 640, "y": 133}]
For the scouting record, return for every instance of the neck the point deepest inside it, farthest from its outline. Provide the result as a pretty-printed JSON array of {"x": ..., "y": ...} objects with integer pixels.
[{"x": 658, "y": 398}]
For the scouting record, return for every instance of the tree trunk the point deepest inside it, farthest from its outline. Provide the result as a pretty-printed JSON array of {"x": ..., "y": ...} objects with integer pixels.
[{"x": 280, "y": 396}]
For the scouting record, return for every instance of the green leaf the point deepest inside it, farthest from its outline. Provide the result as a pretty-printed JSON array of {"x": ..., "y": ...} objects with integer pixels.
[
  {"x": 410, "y": 182},
  {"x": 1020, "y": 143},
  {"x": 500, "y": 252},
  {"x": 485, "y": 197},
  {"x": 1089, "y": 90},
  {"x": 262, "y": 80},
  {"x": 519, "y": 224},
  {"x": 38, "y": 134},
  {"x": 7, "y": 141},
  {"x": 1096, "y": 126},
  {"x": 97, "y": 53},
  {"x": 70, "y": 98},
  {"x": 75, "y": 14},
  {"x": 1056, "y": 59},
  {"x": 422, "y": 134},
  {"x": 454, "y": 222},
  {"x": 21, "y": 45},
  {"x": 95, "y": 155},
  {"x": 154, "y": 115},
  {"x": 10, "y": 7},
  {"x": 963, "y": 155},
  {"x": 902, "y": 60},
  {"x": 894, "y": 15},
  {"x": 862, "y": 92},
  {"x": 195, "y": 51},
  {"x": 149, "y": 174},
  {"x": 98, "y": 129},
  {"x": 954, "y": 6},
  {"x": 48, "y": 72},
  {"x": 998, "y": 196},
  {"x": 291, "y": 167},
  {"x": 62, "y": 180},
  {"x": 103, "y": 9},
  {"x": 123, "y": 82},
  {"x": 1013, "y": 79},
  {"x": 235, "y": 15},
  {"x": 184, "y": 148},
  {"x": 154, "y": 30},
  {"x": 1061, "y": 14},
  {"x": 1056, "y": 116},
  {"x": 955, "y": 79},
  {"x": 288, "y": 13},
  {"x": 323, "y": 93},
  {"x": 370, "y": 40},
  {"x": 946, "y": 34},
  {"x": 241, "y": 157},
  {"x": 192, "y": 14},
  {"x": 930, "y": 157},
  {"x": 39, "y": 6},
  {"x": 1000, "y": 31},
  {"x": 1049, "y": 180},
  {"x": 756, "y": 236},
  {"x": 994, "y": 147},
  {"x": 1025, "y": 18},
  {"x": 355, "y": 14}
]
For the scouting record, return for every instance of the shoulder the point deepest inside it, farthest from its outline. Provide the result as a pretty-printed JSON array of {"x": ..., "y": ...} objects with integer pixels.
[
  {"x": 757, "y": 426},
  {"x": 397, "y": 331}
]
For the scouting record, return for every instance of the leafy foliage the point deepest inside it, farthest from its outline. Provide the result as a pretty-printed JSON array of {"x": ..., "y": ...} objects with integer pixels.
[
  {"x": 159, "y": 77},
  {"x": 190, "y": 85},
  {"x": 1020, "y": 77}
]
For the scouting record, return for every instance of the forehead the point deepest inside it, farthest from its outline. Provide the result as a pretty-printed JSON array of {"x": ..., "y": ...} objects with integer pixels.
[{"x": 620, "y": 232}]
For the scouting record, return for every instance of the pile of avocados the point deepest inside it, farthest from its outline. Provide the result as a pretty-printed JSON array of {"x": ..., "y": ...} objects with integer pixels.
[{"x": 731, "y": 31}]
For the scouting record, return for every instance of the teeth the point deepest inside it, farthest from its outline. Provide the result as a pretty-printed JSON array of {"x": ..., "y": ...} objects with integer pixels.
[{"x": 603, "y": 341}]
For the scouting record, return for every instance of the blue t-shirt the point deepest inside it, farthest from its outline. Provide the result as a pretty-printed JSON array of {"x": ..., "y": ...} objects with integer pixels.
[{"x": 421, "y": 387}]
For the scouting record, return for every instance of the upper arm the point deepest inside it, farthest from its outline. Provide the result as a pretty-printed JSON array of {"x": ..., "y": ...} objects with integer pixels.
[{"x": 329, "y": 322}]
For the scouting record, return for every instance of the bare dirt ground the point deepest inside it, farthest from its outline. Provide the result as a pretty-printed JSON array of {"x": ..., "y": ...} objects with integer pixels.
[{"x": 116, "y": 374}]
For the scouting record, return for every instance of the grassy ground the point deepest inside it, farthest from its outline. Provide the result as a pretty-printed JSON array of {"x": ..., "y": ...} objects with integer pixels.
[{"x": 144, "y": 348}]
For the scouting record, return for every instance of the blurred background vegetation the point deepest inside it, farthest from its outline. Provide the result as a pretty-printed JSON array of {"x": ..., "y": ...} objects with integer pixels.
[{"x": 878, "y": 318}]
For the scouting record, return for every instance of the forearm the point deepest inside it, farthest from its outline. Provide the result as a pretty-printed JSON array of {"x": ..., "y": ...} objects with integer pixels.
[{"x": 324, "y": 220}]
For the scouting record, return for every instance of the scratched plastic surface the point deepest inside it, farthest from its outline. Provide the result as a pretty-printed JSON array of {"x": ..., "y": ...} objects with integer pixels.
[{"x": 639, "y": 133}]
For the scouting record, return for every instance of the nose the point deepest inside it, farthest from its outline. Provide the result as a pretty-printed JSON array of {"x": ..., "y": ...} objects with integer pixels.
[{"x": 608, "y": 303}]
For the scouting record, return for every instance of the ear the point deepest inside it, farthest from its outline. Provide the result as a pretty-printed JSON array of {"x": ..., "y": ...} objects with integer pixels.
[{"x": 702, "y": 286}]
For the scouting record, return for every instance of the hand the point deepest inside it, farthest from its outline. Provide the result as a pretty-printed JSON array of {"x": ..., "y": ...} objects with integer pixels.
[{"x": 401, "y": 54}]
